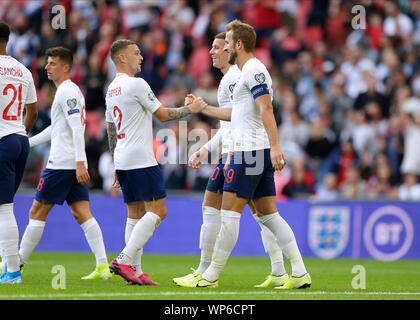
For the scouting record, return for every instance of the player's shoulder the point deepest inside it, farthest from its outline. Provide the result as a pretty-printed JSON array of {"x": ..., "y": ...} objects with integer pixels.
[
  {"x": 252, "y": 65},
  {"x": 255, "y": 69},
  {"x": 68, "y": 88},
  {"x": 135, "y": 83},
  {"x": 233, "y": 73}
]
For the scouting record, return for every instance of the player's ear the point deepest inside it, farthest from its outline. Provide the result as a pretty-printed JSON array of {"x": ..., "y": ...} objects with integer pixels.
[
  {"x": 66, "y": 67},
  {"x": 121, "y": 57}
]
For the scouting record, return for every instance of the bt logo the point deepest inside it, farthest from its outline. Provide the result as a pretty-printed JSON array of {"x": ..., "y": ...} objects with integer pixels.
[{"x": 388, "y": 233}]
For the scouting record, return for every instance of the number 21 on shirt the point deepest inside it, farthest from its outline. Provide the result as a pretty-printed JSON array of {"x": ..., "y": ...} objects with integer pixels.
[{"x": 7, "y": 113}]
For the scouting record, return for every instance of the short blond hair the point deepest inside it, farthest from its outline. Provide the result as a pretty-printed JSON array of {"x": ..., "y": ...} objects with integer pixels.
[
  {"x": 244, "y": 32},
  {"x": 117, "y": 46}
]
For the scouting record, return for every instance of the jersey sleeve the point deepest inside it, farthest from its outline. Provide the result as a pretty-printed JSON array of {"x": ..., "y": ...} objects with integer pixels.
[
  {"x": 31, "y": 95},
  {"x": 108, "y": 115},
  {"x": 145, "y": 96},
  {"x": 71, "y": 102},
  {"x": 256, "y": 78}
]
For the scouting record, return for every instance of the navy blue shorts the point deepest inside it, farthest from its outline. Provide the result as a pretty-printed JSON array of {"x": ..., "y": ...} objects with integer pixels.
[
  {"x": 14, "y": 150},
  {"x": 217, "y": 178},
  {"x": 145, "y": 184},
  {"x": 250, "y": 175},
  {"x": 56, "y": 185}
]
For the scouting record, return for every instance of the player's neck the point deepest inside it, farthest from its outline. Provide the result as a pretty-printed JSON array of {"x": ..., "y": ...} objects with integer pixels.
[
  {"x": 122, "y": 69},
  {"x": 61, "y": 80},
  {"x": 225, "y": 68},
  {"x": 243, "y": 58},
  {"x": 3, "y": 50}
]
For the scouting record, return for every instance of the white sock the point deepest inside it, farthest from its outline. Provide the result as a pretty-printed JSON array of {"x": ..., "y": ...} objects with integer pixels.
[
  {"x": 208, "y": 234},
  {"x": 31, "y": 238},
  {"x": 272, "y": 249},
  {"x": 94, "y": 237},
  {"x": 225, "y": 242},
  {"x": 141, "y": 233},
  {"x": 286, "y": 240},
  {"x": 9, "y": 237},
  {"x": 137, "y": 258}
]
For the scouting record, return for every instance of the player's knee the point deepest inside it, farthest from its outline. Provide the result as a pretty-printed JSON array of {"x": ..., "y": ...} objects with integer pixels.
[
  {"x": 81, "y": 216},
  {"x": 36, "y": 212}
]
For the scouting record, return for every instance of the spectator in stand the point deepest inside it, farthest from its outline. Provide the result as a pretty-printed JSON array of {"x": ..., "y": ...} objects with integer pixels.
[
  {"x": 327, "y": 191},
  {"x": 137, "y": 14},
  {"x": 263, "y": 16},
  {"x": 301, "y": 181},
  {"x": 395, "y": 144},
  {"x": 382, "y": 184},
  {"x": 340, "y": 102},
  {"x": 93, "y": 83},
  {"x": 411, "y": 127},
  {"x": 396, "y": 24},
  {"x": 319, "y": 148},
  {"x": 180, "y": 76},
  {"x": 364, "y": 138},
  {"x": 295, "y": 130},
  {"x": 410, "y": 189},
  {"x": 353, "y": 67},
  {"x": 353, "y": 186},
  {"x": 371, "y": 94}
]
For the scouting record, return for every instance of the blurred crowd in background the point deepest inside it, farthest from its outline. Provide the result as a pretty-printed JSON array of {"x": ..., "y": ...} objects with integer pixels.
[{"x": 346, "y": 99}]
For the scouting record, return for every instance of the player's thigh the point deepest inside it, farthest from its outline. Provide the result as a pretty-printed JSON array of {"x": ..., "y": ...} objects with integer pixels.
[
  {"x": 40, "y": 210},
  {"x": 20, "y": 163},
  {"x": 80, "y": 211},
  {"x": 212, "y": 199},
  {"x": 157, "y": 207},
  {"x": 136, "y": 209},
  {"x": 232, "y": 202},
  {"x": 265, "y": 205}
]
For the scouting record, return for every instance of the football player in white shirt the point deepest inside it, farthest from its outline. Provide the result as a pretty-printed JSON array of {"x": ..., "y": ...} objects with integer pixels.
[
  {"x": 257, "y": 154},
  {"x": 65, "y": 177},
  {"x": 130, "y": 106},
  {"x": 18, "y": 93},
  {"x": 212, "y": 201}
]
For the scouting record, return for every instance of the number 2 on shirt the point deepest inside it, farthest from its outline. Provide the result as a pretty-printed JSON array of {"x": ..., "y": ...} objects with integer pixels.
[
  {"x": 117, "y": 110},
  {"x": 6, "y": 115}
]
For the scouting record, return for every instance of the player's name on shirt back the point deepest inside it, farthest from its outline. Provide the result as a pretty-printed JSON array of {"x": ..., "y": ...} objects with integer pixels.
[
  {"x": 11, "y": 72},
  {"x": 114, "y": 92}
]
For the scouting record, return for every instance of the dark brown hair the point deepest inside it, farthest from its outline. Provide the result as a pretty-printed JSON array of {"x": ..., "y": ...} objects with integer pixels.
[{"x": 64, "y": 54}]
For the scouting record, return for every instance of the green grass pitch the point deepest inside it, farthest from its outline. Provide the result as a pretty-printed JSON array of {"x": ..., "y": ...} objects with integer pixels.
[{"x": 331, "y": 279}]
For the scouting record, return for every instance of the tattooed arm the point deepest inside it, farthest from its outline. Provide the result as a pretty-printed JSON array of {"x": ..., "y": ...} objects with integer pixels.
[
  {"x": 112, "y": 138},
  {"x": 167, "y": 114}
]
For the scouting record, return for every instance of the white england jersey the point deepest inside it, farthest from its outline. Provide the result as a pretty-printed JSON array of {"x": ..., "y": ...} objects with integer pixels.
[
  {"x": 224, "y": 96},
  {"x": 68, "y": 103},
  {"x": 130, "y": 104},
  {"x": 17, "y": 88},
  {"x": 247, "y": 128}
]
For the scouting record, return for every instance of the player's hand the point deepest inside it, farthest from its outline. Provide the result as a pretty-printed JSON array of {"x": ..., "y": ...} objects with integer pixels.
[
  {"x": 278, "y": 159},
  {"x": 197, "y": 158},
  {"x": 229, "y": 157},
  {"x": 116, "y": 183},
  {"x": 82, "y": 174},
  {"x": 189, "y": 99},
  {"x": 197, "y": 105}
]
